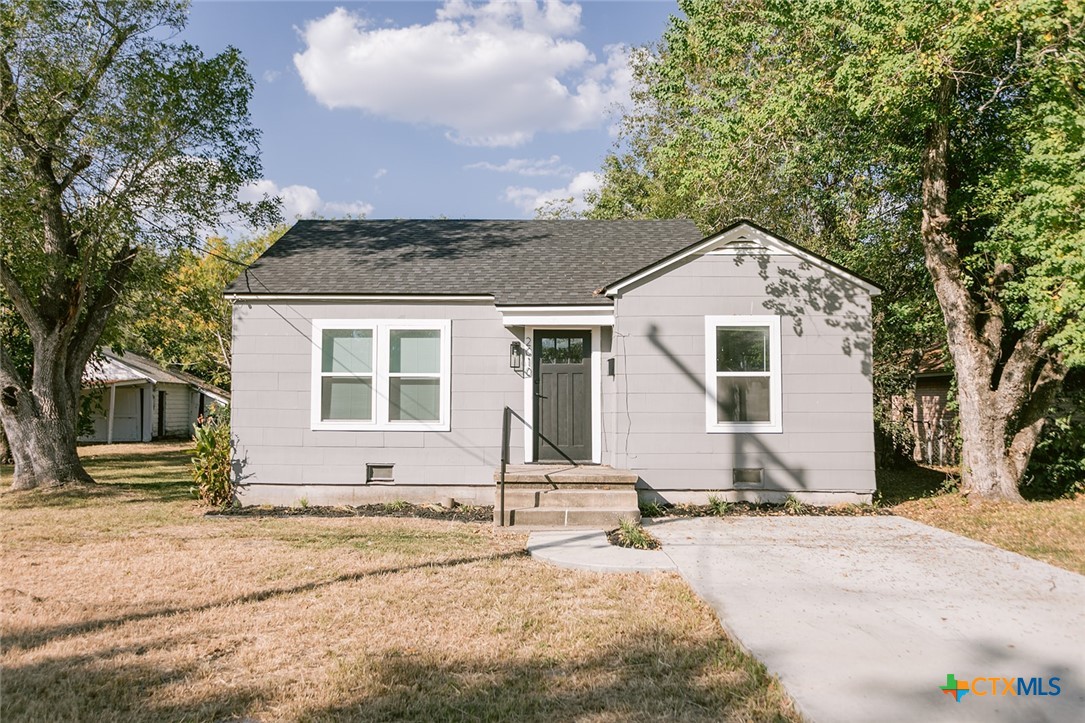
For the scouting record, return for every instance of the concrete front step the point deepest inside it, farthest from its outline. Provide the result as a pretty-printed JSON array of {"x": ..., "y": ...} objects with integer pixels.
[
  {"x": 541, "y": 517},
  {"x": 571, "y": 498},
  {"x": 556, "y": 475}
]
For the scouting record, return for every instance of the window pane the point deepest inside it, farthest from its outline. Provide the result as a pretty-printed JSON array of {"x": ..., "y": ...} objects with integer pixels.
[
  {"x": 549, "y": 354},
  {"x": 743, "y": 399},
  {"x": 742, "y": 349},
  {"x": 576, "y": 350},
  {"x": 415, "y": 351},
  {"x": 418, "y": 399},
  {"x": 563, "y": 350},
  {"x": 348, "y": 350},
  {"x": 346, "y": 399}
]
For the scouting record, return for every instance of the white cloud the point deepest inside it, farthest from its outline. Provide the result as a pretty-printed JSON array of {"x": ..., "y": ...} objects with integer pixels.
[
  {"x": 551, "y": 166},
  {"x": 303, "y": 201},
  {"x": 381, "y": 173},
  {"x": 530, "y": 200},
  {"x": 493, "y": 74},
  {"x": 270, "y": 76}
]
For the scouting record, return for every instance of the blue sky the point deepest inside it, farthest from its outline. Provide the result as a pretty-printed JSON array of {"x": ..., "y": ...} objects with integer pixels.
[{"x": 424, "y": 109}]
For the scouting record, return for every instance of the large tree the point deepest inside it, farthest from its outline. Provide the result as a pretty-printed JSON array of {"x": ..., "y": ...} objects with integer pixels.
[
  {"x": 115, "y": 140},
  {"x": 894, "y": 135}
]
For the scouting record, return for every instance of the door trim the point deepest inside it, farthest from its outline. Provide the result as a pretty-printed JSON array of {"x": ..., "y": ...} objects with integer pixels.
[{"x": 596, "y": 389}]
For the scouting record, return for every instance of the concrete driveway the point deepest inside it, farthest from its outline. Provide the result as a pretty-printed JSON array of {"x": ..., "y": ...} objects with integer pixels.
[{"x": 862, "y": 618}]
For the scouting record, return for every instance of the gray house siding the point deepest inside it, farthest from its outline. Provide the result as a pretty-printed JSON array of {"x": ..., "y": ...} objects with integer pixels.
[
  {"x": 282, "y": 460},
  {"x": 656, "y": 425}
]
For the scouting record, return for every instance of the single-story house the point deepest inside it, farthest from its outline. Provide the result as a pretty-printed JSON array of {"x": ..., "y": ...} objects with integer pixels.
[
  {"x": 134, "y": 399},
  {"x": 372, "y": 360}
]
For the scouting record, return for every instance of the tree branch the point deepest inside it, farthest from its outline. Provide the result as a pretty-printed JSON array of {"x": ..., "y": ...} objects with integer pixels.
[
  {"x": 940, "y": 248},
  {"x": 90, "y": 328},
  {"x": 83, "y": 93},
  {"x": 9, "y": 373},
  {"x": 1034, "y": 413},
  {"x": 1017, "y": 374},
  {"x": 9, "y": 109},
  {"x": 22, "y": 302}
]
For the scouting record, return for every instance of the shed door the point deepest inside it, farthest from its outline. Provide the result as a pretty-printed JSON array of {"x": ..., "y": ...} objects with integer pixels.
[{"x": 562, "y": 395}]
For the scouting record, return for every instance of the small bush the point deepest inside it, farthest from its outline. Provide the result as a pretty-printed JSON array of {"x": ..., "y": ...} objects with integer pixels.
[
  {"x": 718, "y": 506},
  {"x": 630, "y": 534},
  {"x": 1057, "y": 467},
  {"x": 212, "y": 466},
  {"x": 397, "y": 506}
]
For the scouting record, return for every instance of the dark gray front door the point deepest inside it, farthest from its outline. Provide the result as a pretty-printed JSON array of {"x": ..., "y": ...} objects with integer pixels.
[{"x": 563, "y": 395}]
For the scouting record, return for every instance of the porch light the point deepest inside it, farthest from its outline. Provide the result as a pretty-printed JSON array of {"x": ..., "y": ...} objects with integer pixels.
[{"x": 516, "y": 356}]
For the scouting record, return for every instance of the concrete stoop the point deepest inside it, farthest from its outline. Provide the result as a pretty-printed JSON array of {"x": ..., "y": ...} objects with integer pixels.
[{"x": 556, "y": 508}]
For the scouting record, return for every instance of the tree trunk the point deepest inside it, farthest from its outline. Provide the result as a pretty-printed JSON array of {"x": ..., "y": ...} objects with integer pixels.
[
  {"x": 986, "y": 470},
  {"x": 41, "y": 424},
  {"x": 1002, "y": 406}
]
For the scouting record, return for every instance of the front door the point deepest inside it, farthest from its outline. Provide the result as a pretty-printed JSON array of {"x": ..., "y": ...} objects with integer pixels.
[{"x": 562, "y": 395}]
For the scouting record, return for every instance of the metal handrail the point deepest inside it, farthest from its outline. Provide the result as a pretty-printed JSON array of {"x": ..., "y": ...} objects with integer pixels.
[
  {"x": 506, "y": 428},
  {"x": 506, "y": 424}
]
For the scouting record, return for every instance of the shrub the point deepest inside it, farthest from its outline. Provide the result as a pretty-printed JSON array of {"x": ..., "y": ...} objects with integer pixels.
[
  {"x": 212, "y": 466},
  {"x": 1057, "y": 467},
  {"x": 631, "y": 534}
]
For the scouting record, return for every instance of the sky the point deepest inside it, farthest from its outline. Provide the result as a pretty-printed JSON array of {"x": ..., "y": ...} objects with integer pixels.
[{"x": 431, "y": 109}]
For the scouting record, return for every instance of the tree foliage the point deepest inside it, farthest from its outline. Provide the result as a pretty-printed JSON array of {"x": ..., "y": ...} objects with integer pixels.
[
  {"x": 183, "y": 320},
  {"x": 893, "y": 136},
  {"x": 114, "y": 139}
]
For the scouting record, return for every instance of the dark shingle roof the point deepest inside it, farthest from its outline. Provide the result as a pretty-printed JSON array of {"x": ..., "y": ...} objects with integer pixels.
[{"x": 518, "y": 262}]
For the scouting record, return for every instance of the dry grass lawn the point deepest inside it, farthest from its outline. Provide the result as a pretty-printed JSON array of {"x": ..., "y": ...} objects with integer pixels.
[
  {"x": 126, "y": 602},
  {"x": 1051, "y": 530}
]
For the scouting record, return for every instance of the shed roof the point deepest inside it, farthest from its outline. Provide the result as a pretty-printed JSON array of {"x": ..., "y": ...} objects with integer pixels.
[
  {"x": 517, "y": 262},
  {"x": 111, "y": 367}
]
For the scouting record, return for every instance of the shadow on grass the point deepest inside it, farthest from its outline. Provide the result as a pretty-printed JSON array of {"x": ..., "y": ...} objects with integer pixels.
[
  {"x": 99, "y": 687},
  {"x": 646, "y": 675},
  {"x": 158, "y": 476},
  {"x": 27, "y": 639},
  {"x": 912, "y": 483}
]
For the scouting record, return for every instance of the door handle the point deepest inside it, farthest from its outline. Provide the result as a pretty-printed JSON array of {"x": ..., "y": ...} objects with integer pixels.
[{"x": 541, "y": 396}]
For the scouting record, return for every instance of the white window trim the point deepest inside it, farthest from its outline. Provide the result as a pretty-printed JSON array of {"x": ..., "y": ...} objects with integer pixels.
[
  {"x": 596, "y": 389},
  {"x": 775, "y": 423},
  {"x": 382, "y": 329}
]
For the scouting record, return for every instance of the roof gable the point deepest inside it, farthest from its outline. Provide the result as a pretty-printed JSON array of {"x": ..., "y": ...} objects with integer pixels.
[{"x": 742, "y": 236}]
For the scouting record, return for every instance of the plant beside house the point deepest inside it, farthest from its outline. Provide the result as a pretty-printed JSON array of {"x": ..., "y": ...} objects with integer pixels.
[
  {"x": 631, "y": 534},
  {"x": 211, "y": 466}
]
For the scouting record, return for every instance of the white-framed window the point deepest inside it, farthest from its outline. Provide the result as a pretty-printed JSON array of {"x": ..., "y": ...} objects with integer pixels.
[
  {"x": 382, "y": 374},
  {"x": 742, "y": 374}
]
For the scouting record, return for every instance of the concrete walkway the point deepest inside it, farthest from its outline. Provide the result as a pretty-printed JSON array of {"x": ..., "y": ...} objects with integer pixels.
[
  {"x": 862, "y": 618},
  {"x": 590, "y": 550}
]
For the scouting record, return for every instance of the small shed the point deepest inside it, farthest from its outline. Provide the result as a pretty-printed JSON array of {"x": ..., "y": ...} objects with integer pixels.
[
  {"x": 927, "y": 408},
  {"x": 134, "y": 399}
]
